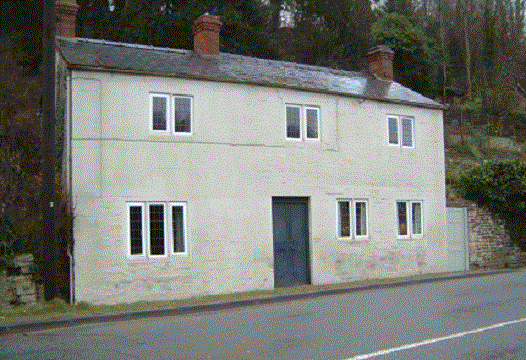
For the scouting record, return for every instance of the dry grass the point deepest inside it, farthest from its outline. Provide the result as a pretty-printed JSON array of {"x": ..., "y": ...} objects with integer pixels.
[{"x": 58, "y": 309}]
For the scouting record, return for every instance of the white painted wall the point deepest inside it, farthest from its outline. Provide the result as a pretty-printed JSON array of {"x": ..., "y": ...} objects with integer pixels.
[{"x": 227, "y": 172}]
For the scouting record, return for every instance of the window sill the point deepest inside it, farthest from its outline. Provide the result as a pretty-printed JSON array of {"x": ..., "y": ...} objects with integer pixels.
[
  {"x": 400, "y": 146},
  {"x": 154, "y": 258},
  {"x": 409, "y": 238},
  {"x": 136, "y": 257},
  {"x": 353, "y": 240},
  {"x": 185, "y": 254}
]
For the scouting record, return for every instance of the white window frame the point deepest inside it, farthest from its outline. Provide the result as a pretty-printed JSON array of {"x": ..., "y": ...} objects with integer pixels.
[
  {"x": 169, "y": 241},
  {"x": 300, "y": 137},
  {"x": 400, "y": 132},
  {"x": 143, "y": 228},
  {"x": 303, "y": 122},
  {"x": 306, "y": 108},
  {"x": 409, "y": 219},
  {"x": 397, "y": 143},
  {"x": 417, "y": 235},
  {"x": 352, "y": 219},
  {"x": 172, "y": 112},
  {"x": 165, "y": 229},
  {"x": 167, "y": 113},
  {"x": 185, "y": 234}
]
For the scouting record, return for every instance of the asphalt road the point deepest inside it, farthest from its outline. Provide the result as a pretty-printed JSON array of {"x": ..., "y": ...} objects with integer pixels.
[{"x": 477, "y": 318}]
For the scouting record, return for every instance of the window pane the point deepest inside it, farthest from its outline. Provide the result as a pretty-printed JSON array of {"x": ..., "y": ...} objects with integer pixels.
[
  {"x": 312, "y": 123},
  {"x": 402, "y": 217},
  {"x": 182, "y": 114},
  {"x": 159, "y": 105},
  {"x": 345, "y": 219},
  {"x": 178, "y": 228},
  {"x": 407, "y": 132},
  {"x": 135, "y": 230},
  {"x": 293, "y": 122},
  {"x": 393, "y": 130},
  {"x": 157, "y": 229},
  {"x": 361, "y": 218},
  {"x": 417, "y": 218}
]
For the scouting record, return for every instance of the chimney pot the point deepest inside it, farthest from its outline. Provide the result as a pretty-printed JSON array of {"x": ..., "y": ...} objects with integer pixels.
[
  {"x": 206, "y": 31},
  {"x": 66, "y": 11},
  {"x": 380, "y": 60}
]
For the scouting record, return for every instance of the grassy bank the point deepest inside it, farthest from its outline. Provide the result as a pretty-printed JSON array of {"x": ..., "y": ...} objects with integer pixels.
[{"x": 58, "y": 309}]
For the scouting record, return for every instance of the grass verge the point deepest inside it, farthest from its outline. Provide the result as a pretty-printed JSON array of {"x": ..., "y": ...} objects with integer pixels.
[{"x": 59, "y": 309}]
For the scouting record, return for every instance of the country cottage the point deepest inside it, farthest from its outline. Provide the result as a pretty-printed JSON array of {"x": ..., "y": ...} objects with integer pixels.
[{"x": 201, "y": 172}]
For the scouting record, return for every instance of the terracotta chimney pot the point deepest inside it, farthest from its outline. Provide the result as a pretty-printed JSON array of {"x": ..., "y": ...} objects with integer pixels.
[
  {"x": 206, "y": 31},
  {"x": 66, "y": 11},
  {"x": 380, "y": 60}
]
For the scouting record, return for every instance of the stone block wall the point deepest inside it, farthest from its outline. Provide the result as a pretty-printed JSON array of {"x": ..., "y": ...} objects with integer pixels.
[
  {"x": 20, "y": 288},
  {"x": 489, "y": 244}
]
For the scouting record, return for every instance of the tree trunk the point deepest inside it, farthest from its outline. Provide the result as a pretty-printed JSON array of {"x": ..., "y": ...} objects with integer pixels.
[
  {"x": 275, "y": 13},
  {"x": 468, "y": 53}
]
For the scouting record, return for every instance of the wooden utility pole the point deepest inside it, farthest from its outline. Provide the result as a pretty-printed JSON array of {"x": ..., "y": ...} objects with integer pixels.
[{"x": 48, "y": 150}]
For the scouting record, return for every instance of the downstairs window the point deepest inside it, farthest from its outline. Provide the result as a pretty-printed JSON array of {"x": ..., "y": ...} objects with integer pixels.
[{"x": 156, "y": 229}]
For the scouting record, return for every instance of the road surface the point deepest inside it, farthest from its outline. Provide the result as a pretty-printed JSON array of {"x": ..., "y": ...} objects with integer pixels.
[{"x": 476, "y": 318}]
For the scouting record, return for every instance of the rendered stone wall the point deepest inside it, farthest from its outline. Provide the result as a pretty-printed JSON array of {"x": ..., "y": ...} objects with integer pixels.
[
  {"x": 227, "y": 172},
  {"x": 489, "y": 244}
]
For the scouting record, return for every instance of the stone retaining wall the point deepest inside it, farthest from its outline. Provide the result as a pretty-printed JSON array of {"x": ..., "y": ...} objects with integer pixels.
[
  {"x": 489, "y": 244},
  {"x": 20, "y": 288}
]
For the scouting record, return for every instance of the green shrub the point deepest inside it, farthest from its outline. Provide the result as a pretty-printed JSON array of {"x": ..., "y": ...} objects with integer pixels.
[
  {"x": 518, "y": 119},
  {"x": 500, "y": 187}
]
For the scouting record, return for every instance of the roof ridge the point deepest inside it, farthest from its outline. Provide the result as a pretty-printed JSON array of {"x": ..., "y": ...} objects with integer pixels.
[
  {"x": 300, "y": 65},
  {"x": 131, "y": 45},
  {"x": 183, "y": 51}
]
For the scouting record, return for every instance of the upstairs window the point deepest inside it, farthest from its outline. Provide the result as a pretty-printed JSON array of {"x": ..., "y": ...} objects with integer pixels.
[
  {"x": 170, "y": 113},
  {"x": 293, "y": 122},
  {"x": 182, "y": 114},
  {"x": 407, "y": 132},
  {"x": 312, "y": 123},
  {"x": 393, "y": 130},
  {"x": 159, "y": 112},
  {"x": 302, "y": 122},
  {"x": 400, "y": 128},
  {"x": 352, "y": 219},
  {"x": 409, "y": 214}
]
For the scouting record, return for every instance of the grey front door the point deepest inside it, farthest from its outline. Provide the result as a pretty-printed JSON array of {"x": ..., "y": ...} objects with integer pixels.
[{"x": 290, "y": 224}]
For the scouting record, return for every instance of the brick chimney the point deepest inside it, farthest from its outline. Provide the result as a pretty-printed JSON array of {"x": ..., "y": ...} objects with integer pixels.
[
  {"x": 380, "y": 60},
  {"x": 206, "y": 31},
  {"x": 66, "y": 16}
]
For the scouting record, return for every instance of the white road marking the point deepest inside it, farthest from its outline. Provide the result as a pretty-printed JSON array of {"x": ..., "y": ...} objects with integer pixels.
[{"x": 435, "y": 340}]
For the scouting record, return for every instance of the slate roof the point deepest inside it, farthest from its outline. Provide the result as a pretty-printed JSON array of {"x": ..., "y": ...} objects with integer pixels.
[{"x": 80, "y": 53}]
